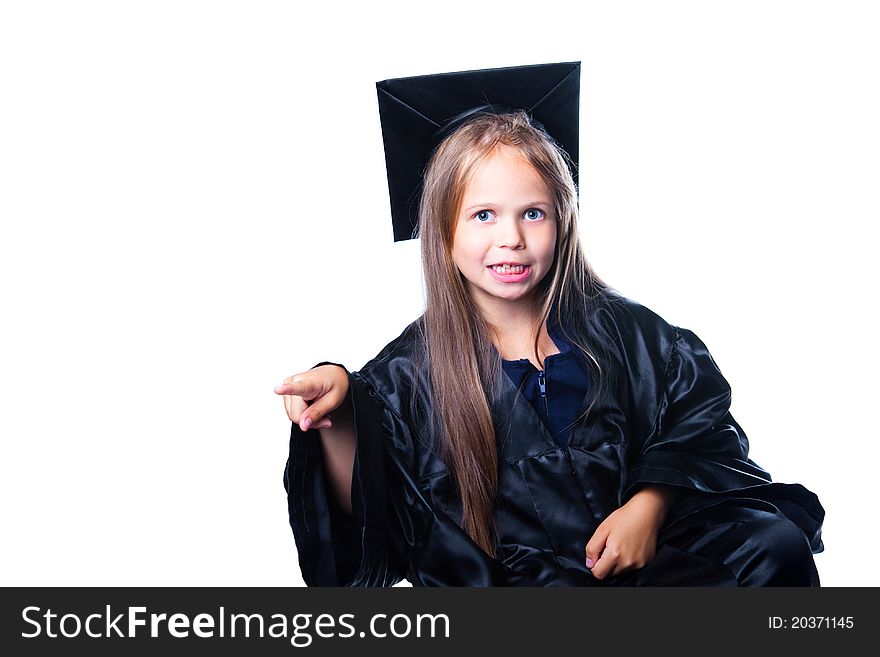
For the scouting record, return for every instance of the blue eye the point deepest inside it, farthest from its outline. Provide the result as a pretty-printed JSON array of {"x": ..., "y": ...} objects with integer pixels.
[
  {"x": 482, "y": 214},
  {"x": 534, "y": 214}
]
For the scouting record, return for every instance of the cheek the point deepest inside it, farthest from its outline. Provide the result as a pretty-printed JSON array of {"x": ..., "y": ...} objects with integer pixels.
[
  {"x": 460, "y": 258},
  {"x": 466, "y": 251},
  {"x": 549, "y": 245}
]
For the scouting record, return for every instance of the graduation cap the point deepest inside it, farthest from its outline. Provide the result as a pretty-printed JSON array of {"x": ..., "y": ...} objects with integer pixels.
[{"x": 418, "y": 112}]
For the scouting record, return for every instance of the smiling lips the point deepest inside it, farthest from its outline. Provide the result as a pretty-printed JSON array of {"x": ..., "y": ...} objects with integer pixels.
[{"x": 508, "y": 273}]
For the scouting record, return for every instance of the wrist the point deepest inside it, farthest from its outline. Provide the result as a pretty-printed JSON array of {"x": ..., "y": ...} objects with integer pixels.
[{"x": 659, "y": 498}]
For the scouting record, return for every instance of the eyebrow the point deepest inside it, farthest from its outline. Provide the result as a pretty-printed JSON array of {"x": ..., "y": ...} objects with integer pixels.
[{"x": 492, "y": 205}]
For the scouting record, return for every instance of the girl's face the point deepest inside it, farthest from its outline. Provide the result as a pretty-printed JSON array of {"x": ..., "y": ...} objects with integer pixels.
[{"x": 506, "y": 217}]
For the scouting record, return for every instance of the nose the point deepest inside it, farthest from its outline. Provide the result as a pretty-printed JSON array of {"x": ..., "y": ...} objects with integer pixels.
[{"x": 509, "y": 233}]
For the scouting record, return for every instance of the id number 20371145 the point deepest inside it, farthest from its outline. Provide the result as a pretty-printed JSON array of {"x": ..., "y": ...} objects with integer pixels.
[{"x": 810, "y": 622}]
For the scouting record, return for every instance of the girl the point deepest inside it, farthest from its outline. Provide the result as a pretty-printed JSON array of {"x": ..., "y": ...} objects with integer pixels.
[{"x": 533, "y": 426}]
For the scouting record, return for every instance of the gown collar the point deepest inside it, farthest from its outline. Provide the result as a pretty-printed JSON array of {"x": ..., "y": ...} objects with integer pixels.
[{"x": 521, "y": 432}]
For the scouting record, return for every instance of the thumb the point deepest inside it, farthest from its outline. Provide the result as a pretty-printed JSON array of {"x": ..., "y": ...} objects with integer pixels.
[
  {"x": 596, "y": 545},
  {"x": 314, "y": 413}
]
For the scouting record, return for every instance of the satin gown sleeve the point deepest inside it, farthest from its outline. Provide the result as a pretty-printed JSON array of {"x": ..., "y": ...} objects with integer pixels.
[
  {"x": 697, "y": 445},
  {"x": 370, "y": 547}
]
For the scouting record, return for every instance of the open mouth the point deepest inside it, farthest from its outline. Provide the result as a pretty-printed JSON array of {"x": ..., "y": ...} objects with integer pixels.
[
  {"x": 510, "y": 273},
  {"x": 508, "y": 269}
]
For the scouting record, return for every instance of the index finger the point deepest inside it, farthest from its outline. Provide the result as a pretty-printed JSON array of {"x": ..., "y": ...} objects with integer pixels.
[
  {"x": 286, "y": 389},
  {"x": 596, "y": 544},
  {"x": 301, "y": 385}
]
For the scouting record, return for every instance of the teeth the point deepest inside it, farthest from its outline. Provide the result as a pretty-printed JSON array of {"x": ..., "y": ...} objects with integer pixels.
[{"x": 507, "y": 269}]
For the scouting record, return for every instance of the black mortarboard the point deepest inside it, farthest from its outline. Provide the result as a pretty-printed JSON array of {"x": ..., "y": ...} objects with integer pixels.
[{"x": 417, "y": 112}]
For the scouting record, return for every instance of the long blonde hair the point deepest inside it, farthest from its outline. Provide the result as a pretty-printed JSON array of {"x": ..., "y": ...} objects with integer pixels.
[{"x": 458, "y": 342}]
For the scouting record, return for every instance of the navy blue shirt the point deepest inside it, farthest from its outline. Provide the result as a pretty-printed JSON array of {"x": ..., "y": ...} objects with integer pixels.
[{"x": 556, "y": 392}]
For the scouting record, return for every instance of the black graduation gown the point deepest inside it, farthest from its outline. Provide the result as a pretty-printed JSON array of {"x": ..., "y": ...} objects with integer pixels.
[{"x": 665, "y": 419}]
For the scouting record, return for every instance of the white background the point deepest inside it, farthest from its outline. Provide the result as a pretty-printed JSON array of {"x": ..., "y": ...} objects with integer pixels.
[{"x": 194, "y": 206}]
